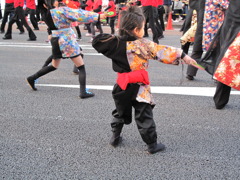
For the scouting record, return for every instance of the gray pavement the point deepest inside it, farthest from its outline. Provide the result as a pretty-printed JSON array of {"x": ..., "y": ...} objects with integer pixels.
[{"x": 52, "y": 134}]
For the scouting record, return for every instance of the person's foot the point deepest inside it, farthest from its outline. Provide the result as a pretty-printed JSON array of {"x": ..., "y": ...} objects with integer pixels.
[
  {"x": 2, "y": 32},
  {"x": 189, "y": 77},
  {"x": 21, "y": 32},
  {"x": 31, "y": 83},
  {"x": 34, "y": 39},
  {"x": 7, "y": 37},
  {"x": 115, "y": 141},
  {"x": 86, "y": 94},
  {"x": 36, "y": 29},
  {"x": 155, "y": 147},
  {"x": 160, "y": 37}
]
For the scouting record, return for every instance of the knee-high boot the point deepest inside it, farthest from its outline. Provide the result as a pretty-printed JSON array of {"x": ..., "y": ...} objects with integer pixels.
[
  {"x": 41, "y": 72},
  {"x": 48, "y": 61},
  {"x": 116, "y": 138},
  {"x": 82, "y": 81}
]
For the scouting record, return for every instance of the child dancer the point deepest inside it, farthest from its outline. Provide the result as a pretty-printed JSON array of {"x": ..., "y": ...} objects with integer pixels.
[
  {"x": 63, "y": 41},
  {"x": 130, "y": 55}
]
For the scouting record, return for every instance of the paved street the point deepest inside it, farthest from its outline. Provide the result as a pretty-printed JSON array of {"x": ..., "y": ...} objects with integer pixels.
[{"x": 52, "y": 134}]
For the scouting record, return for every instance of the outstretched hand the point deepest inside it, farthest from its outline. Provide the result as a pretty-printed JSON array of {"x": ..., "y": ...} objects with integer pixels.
[
  {"x": 103, "y": 16},
  {"x": 188, "y": 60}
]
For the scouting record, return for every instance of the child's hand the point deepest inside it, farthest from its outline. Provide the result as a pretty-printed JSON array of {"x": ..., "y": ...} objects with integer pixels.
[
  {"x": 188, "y": 60},
  {"x": 103, "y": 16}
]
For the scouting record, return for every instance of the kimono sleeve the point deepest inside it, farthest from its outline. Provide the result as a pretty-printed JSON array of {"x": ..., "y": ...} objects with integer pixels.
[
  {"x": 81, "y": 15},
  {"x": 165, "y": 54}
]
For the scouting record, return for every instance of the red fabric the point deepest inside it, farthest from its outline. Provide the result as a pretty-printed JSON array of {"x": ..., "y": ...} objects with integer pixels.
[
  {"x": 113, "y": 8},
  {"x": 96, "y": 4},
  {"x": 31, "y": 4},
  {"x": 139, "y": 76},
  {"x": 147, "y": 2},
  {"x": 9, "y": 1},
  {"x": 18, "y": 3},
  {"x": 89, "y": 6}
]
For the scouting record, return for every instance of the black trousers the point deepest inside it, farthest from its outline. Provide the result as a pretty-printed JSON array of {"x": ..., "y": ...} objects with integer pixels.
[
  {"x": 221, "y": 96},
  {"x": 8, "y": 14},
  {"x": 150, "y": 19},
  {"x": 19, "y": 14},
  {"x": 125, "y": 101},
  {"x": 33, "y": 19}
]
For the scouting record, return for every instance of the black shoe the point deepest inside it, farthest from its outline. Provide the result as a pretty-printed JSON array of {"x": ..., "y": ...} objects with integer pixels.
[
  {"x": 155, "y": 147},
  {"x": 36, "y": 29},
  {"x": 189, "y": 77},
  {"x": 7, "y": 37},
  {"x": 160, "y": 37},
  {"x": 32, "y": 39},
  {"x": 2, "y": 32},
  {"x": 86, "y": 95},
  {"x": 115, "y": 141},
  {"x": 31, "y": 83},
  {"x": 21, "y": 32}
]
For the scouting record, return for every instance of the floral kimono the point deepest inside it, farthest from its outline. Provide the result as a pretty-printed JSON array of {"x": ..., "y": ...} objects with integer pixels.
[
  {"x": 63, "y": 36},
  {"x": 129, "y": 54},
  {"x": 213, "y": 19}
]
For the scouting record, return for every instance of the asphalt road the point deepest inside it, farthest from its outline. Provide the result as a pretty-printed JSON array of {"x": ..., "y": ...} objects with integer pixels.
[{"x": 52, "y": 134}]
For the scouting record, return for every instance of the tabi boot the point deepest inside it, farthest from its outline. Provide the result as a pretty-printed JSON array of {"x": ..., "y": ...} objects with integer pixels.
[
  {"x": 116, "y": 138},
  {"x": 155, "y": 147}
]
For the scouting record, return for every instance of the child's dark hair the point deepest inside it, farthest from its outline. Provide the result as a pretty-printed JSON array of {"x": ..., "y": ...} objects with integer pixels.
[{"x": 130, "y": 19}]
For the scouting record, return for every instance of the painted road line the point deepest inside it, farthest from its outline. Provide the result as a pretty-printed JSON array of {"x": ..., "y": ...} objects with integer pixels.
[{"x": 191, "y": 91}]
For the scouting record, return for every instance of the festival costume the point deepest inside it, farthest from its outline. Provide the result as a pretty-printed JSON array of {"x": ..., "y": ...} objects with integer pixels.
[
  {"x": 222, "y": 59},
  {"x": 63, "y": 41},
  {"x": 129, "y": 55}
]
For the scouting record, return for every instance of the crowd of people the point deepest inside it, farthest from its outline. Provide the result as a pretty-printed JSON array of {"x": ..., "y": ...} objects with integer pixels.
[{"x": 212, "y": 27}]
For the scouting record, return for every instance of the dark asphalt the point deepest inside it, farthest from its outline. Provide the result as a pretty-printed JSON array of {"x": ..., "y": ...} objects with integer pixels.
[{"x": 52, "y": 134}]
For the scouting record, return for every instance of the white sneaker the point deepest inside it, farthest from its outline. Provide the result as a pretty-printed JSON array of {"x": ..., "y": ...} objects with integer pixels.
[{"x": 89, "y": 35}]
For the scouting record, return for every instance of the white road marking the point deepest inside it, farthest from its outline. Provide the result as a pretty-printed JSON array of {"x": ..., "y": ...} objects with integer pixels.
[{"x": 192, "y": 91}]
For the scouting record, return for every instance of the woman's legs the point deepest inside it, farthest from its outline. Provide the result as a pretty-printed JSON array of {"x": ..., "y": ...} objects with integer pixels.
[
  {"x": 78, "y": 61},
  {"x": 42, "y": 72}
]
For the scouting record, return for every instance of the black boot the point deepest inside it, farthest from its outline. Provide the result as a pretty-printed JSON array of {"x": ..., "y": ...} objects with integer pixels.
[
  {"x": 41, "y": 72},
  {"x": 48, "y": 61},
  {"x": 116, "y": 138},
  {"x": 155, "y": 147},
  {"x": 82, "y": 81}
]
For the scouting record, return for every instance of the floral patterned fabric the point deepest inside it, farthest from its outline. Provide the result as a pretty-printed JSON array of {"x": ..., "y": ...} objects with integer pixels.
[
  {"x": 63, "y": 18},
  {"x": 140, "y": 51},
  {"x": 213, "y": 19},
  {"x": 228, "y": 71}
]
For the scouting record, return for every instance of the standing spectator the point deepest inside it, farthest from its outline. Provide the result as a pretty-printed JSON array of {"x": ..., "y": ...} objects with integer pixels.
[
  {"x": 112, "y": 8},
  {"x": 31, "y": 10},
  {"x": 97, "y": 8},
  {"x": 150, "y": 16},
  {"x": 8, "y": 14},
  {"x": 19, "y": 14},
  {"x": 177, "y": 10},
  {"x": 167, "y": 4}
]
